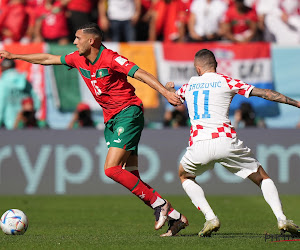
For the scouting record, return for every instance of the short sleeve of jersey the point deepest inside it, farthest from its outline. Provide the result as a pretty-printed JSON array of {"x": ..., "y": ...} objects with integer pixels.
[
  {"x": 181, "y": 92},
  {"x": 68, "y": 60},
  {"x": 240, "y": 87},
  {"x": 122, "y": 64}
]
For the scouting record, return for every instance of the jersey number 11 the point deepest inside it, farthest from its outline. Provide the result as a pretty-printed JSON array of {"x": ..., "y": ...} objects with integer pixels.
[{"x": 206, "y": 99}]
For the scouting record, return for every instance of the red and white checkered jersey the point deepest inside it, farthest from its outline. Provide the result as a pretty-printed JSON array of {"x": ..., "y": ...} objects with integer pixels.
[{"x": 208, "y": 100}]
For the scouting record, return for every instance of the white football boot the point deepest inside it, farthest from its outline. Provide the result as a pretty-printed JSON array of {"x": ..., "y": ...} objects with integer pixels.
[
  {"x": 161, "y": 214},
  {"x": 209, "y": 227},
  {"x": 288, "y": 226}
]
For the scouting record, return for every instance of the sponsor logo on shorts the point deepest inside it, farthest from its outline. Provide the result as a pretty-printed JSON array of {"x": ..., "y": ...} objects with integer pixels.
[
  {"x": 108, "y": 143},
  {"x": 118, "y": 141}
]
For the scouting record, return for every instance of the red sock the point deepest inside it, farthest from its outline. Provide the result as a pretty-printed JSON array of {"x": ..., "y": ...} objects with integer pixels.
[
  {"x": 132, "y": 183},
  {"x": 137, "y": 174}
]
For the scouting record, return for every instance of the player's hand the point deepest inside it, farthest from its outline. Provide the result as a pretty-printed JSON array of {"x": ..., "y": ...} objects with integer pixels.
[
  {"x": 5, "y": 54},
  {"x": 173, "y": 98},
  {"x": 170, "y": 85}
]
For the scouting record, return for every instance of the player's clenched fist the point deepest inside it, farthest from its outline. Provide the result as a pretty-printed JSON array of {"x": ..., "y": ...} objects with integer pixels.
[{"x": 5, "y": 54}]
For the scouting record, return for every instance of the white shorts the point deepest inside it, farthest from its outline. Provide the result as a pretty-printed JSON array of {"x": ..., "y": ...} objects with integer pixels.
[{"x": 230, "y": 153}]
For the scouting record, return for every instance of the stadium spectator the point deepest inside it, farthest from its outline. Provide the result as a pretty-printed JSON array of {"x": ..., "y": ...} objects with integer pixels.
[
  {"x": 82, "y": 117},
  {"x": 205, "y": 18},
  {"x": 105, "y": 73},
  {"x": 167, "y": 20},
  {"x": 3, "y": 3},
  {"x": 26, "y": 118},
  {"x": 120, "y": 19},
  {"x": 142, "y": 25},
  {"x": 183, "y": 14},
  {"x": 13, "y": 89},
  {"x": 280, "y": 20},
  {"x": 79, "y": 13},
  {"x": 31, "y": 9},
  {"x": 51, "y": 22},
  {"x": 213, "y": 139},
  {"x": 240, "y": 23},
  {"x": 13, "y": 21},
  {"x": 245, "y": 116},
  {"x": 176, "y": 117}
]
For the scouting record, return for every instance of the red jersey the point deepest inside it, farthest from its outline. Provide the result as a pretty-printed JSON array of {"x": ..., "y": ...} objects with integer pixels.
[
  {"x": 106, "y": 78},
  {"x": 85, "y": 6},
  {"x": 240, "y": 22},
  {"x": 54, "y": 21},
  {"x": 14, "y": 18}
]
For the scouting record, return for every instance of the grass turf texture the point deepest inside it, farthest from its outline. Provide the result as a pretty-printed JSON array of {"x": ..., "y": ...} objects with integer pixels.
[{"x": 124, "y": 222}]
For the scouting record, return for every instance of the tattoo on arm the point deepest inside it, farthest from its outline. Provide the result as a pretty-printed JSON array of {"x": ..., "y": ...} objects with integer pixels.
[{"x": 274, "y": 96}]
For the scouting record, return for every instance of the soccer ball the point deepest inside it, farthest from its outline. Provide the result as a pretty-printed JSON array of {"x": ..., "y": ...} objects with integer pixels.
[{"x": 14, "y": 222}]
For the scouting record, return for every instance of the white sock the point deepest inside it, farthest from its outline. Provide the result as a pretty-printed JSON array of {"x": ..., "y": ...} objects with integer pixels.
[
  {"x": 174, "y": 215},
  {"x": 196, "y": 194},
  {"x": 271, "y": 196},
  {"x": 158, "y": 202}
]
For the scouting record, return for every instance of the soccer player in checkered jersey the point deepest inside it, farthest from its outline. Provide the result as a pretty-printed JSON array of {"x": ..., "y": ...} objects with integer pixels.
[
  {"x": 105, "y": 74},
  {"x": 213, "y": 138}
]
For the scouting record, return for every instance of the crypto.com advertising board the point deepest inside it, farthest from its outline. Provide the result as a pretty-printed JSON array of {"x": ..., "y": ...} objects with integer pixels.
[{"x": 71, "y": 162}]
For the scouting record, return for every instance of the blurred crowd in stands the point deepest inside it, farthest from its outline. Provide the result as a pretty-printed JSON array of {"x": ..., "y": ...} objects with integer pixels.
[
  {"x": 151, "y": 20},
  {"x": 55, "y": 21}
]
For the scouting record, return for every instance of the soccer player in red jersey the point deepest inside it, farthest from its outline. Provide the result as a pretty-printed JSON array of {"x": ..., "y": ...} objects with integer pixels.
[{"x": 105, "y": 74}]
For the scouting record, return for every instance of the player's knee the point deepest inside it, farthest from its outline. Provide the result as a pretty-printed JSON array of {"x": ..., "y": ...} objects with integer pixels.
[
  {"x": 112, "y": 172},
  {"x": 183, "y": 175},
  {"x": 108, "y": 173}
]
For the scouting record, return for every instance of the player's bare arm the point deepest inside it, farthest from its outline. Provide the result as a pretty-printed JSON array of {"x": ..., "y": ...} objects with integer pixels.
[
  {"x": 274, "y": 96},
  {"x": 149, "y": 79},
  {"x": 38, "y": 58}
]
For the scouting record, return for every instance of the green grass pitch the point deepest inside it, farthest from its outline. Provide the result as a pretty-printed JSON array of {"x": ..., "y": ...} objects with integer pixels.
[{"x": 124, "y": 222}]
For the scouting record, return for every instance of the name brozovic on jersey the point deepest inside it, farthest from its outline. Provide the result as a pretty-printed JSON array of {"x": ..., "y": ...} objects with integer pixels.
[
  {"x": 106, "y": 78},
  {"x": 208, "y": 100}
]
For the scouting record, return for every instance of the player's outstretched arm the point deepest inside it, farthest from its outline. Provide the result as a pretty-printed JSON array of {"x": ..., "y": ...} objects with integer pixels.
[
  {"x": 274, "y": 96},
  {"x": 38, "y": 58},
  {"x": 149, "y": 79}
]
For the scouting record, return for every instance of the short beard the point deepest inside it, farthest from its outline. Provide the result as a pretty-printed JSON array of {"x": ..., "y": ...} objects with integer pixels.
[{"x": 85, "y": 53}]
